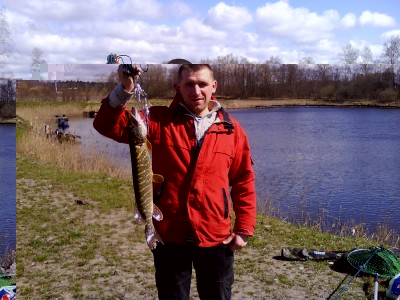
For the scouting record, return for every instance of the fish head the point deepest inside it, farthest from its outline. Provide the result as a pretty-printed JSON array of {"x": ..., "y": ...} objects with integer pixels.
[{"x": 137, "y": 127}]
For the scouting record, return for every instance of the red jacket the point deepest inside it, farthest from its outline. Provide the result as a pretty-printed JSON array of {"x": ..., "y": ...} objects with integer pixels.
[{"x": 195, "y": 196}]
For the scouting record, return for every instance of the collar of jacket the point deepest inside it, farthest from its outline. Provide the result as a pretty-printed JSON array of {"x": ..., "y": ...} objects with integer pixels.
[{"x": 222, "y": 115}]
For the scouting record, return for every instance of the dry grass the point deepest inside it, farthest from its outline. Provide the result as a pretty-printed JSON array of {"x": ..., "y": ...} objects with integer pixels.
[
  {"x": 39, "y": 113},
  {"x": 7, "y": 260},
  {"x": 65, "y": 155}
]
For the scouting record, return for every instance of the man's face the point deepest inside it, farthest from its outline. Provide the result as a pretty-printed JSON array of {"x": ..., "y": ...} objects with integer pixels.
[{"x": 196, "y": 89}]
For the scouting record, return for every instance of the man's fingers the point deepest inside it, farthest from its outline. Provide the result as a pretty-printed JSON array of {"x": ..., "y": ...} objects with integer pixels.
[{"x": 229, "y": 239}]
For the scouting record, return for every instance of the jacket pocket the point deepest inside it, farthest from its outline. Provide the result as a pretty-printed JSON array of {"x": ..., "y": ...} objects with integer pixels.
[{"x": 226, "y": 203}]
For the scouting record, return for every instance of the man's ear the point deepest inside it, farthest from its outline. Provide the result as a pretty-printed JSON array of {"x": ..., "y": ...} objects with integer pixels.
[
  {"x": 177, "y": 87},
  {"x": 215, "y": 85}
]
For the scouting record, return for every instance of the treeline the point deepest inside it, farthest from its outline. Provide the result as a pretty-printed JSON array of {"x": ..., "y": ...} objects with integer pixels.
[
  {"x": 317, "y": 81},
  {"x": 376, "y": 82},
  {"x": 7, "y": 98},
  {"x": 62, "y": 90}
]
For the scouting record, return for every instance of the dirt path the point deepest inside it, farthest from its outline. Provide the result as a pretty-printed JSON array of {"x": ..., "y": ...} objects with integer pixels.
[{"x": 68, "y": 248}]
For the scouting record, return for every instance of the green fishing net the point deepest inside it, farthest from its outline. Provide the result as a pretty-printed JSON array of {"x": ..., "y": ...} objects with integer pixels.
[
  {"x": 5, "y": 281},
  {"x": 375, "y": 260}
]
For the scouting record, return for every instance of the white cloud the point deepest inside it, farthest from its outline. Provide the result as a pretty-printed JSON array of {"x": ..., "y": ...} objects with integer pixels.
[
  {"x": 388, "y": 34},
  {"x": 56, "y": 10},
  {"x": 148, "y": 9},
  {"x": 156, "y": 31},
  {"x": 199, "y": 33},
  {"x": 179, "y": 9},
  {"x": 225, "y": 17},
  {"x": 94, "y": 10},
  {"x": 323, "y": 52},
  {"x": 297, "y": 24},
  {"x": 376, "y": 19},
  {"x": 349, "y": 20}
]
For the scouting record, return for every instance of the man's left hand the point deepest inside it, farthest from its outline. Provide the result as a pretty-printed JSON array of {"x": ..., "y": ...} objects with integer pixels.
[{"x": 236, "y": 241}]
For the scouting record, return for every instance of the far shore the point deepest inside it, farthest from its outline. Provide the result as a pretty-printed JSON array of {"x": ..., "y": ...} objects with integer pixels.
[
  {"x": 250, "y": 103},
  {"x": 265, "y": 103},
  {"x": 259, "y": 103},
  {"x": 8, "y": 121}
]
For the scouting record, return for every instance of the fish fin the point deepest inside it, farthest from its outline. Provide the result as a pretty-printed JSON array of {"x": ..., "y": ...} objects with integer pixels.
[
  {"x": 152, "y": 237},
  {"x": 157, "y": 214},
  {"x": 138, "y": 217},
  {"x": 149, "y": 146},
  {"x": 157, "y": 178}
]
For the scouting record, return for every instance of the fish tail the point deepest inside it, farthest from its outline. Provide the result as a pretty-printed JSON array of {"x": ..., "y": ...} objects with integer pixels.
[
  {"x": 152, "y": 237},
  {"x": 138, "y": 217},
  {"x": 157, "y": 214}
]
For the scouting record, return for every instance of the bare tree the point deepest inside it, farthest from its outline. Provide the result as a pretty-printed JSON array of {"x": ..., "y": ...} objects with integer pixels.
[
  {"x": 349, "y": 55},
  {"x": 391, "y": 50},
  {"x": 274, "y": 60},
  {"x": 6, "y": 43},
  {"x": 306, "y": 61},
  {"x": 366, "y": 60},
  {"x": 366, "y": 55},
  {"x": 391, "y": 55},
  {"x": 37, "y": 56},
  {"x": 37, "y": 61}
]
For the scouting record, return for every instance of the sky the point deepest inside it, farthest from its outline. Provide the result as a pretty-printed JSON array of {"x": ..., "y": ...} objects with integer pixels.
[{"x": 84, "y": 32}]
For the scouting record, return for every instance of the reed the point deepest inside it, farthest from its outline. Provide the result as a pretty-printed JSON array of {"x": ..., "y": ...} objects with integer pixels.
[
  {"x": 7, "y": 259},
  {"x": 66, "y": 155},
  {"x": 40, "y": 113},
  {"x": 315, "y": 216}
]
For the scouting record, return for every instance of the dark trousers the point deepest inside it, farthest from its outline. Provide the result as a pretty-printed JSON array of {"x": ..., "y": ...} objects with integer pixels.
[{"x": 213, "y": 266}]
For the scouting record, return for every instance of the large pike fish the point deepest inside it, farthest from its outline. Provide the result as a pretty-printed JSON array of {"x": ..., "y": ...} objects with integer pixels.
[{"x": 142, "y": 178}]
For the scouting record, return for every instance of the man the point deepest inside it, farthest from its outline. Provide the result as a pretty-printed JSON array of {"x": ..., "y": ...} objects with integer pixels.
[{"x": 204, "y": 156}]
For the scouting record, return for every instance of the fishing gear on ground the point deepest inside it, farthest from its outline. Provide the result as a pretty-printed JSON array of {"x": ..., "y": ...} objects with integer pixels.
[{"x": 377, "y": 261}]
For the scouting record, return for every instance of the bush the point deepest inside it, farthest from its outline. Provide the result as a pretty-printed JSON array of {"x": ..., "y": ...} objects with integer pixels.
[
  {"x": 7, "y": 110},
  {"x": 387, "y": 95}
]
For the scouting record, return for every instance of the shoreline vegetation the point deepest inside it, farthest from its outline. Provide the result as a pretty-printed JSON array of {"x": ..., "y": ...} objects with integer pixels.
[
  {"x": 77, "y": 238},
  {"x": 254, "y": 104},
  {"x": 251, "y": 103},
  {"x": 8, "y": 121},
  {"x": 265, "y": 103}
]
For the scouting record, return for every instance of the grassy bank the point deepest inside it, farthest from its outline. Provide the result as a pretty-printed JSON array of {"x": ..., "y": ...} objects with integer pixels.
[
  {"x": 268, "y": 103},
  {"x": 37, "y": 113},
  {"x": 7, "y": 121},
  {"x": 78, "y": 107},
  {"x": 77, "y": 239}
]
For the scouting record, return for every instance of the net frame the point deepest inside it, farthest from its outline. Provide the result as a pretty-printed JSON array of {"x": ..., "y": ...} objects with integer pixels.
[{"x": 375, "y": 261}]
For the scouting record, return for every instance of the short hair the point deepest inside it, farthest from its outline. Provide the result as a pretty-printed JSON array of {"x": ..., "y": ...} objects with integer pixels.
[
  {"x": 194, "y": 68},
  {"x": 179, "y": 61}
]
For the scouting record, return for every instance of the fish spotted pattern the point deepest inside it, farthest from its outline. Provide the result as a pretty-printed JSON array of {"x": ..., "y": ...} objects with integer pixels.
[{"x": 142, "y": 178}]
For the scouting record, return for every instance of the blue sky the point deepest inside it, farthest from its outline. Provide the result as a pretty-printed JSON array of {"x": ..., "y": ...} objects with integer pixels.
[{"x": 153, "y": 31}]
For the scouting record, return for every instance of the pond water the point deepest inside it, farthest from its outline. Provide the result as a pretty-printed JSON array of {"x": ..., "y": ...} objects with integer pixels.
[
  {"x": 341, "y": 164},
  {"x": 7, "y": 188}
]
